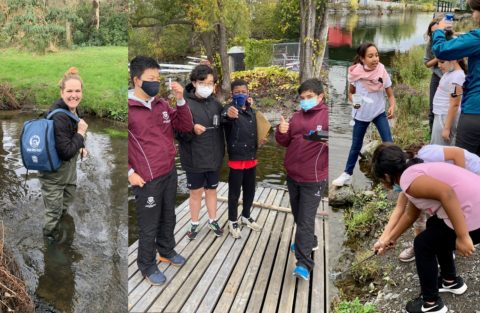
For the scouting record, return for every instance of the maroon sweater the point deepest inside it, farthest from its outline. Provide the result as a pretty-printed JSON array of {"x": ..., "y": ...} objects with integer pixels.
[
  {"x": 151, "y": 149},
  {"x": 305, "y": 161}
]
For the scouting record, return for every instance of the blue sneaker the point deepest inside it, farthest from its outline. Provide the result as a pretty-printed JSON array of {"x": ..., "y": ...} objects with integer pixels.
[
  {"x": 176, "y": 260},
  {"x": 301, "y": 272},
  {"x": 315, "y": 245},
  {"x": 157, "y": 278}
]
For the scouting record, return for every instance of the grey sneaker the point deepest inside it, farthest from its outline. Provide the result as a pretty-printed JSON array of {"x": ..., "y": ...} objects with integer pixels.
[
  {"x": 407, "y": 255},
  {"x": 234, "y": 229},
  {"x": 216, "y": 228},
  {"x": 250, "y": 222}
]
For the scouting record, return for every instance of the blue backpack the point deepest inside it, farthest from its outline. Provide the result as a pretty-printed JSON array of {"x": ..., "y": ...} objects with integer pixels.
[{"x": 37, "y": 143}]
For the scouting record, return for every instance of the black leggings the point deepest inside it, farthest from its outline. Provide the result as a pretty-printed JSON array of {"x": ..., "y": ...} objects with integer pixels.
[
  {"x": 238, "y": 179},
  {"x": 437, "y": 242},
  {"x": 468, "y": 133}
]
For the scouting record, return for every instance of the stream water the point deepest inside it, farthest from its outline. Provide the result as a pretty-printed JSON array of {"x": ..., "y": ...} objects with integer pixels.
[{"x": 86, "y": 271}]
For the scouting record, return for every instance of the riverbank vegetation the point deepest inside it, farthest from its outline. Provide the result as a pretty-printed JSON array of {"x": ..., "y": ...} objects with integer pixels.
[
  {"x": 36, "y": 77},
  {"x": 13, "y": 293}
]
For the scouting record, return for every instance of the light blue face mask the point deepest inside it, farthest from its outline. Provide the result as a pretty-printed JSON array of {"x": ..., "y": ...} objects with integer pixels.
[
  {"x": 397, "y": 188},
  {"x": 307, "y": 104}
]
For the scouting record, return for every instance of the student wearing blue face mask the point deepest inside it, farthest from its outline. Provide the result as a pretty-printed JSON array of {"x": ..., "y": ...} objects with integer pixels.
[
  {"x": 306, "y": 162},
  {"x": 369, "y": 82},
  {"x": 240, "y": 125}
]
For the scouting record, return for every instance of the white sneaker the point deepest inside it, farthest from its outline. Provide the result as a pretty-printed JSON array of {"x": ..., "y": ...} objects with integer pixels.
[
  {"x": 234, "y": 229},
  {"x": 250, "y": 222},
  {"x": 343, "y": 179}
]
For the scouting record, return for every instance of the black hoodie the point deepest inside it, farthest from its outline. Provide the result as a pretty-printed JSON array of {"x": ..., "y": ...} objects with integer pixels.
[
  {"x": 202, "y": 153},
  {"x": 67, "y": 141}
]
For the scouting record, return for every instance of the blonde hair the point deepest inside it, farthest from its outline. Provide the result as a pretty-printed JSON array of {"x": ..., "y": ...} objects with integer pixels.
[{"x": 71, "y": 73}]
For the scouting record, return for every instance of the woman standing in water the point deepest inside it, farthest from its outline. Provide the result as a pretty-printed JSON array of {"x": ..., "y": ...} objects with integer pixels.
[{"x": 58, "y": 188}]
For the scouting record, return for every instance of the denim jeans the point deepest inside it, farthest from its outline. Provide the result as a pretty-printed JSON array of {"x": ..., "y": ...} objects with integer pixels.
[{"x": 359, "y": 130}]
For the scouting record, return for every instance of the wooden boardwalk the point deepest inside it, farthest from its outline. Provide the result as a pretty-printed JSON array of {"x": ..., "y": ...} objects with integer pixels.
[{"x": 251, "y": 274}]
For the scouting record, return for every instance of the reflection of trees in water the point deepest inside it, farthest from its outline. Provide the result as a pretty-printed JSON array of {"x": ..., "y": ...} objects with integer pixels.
[
  {"x": 393, "y": 27},
  {"x": 57, "y": 283}
]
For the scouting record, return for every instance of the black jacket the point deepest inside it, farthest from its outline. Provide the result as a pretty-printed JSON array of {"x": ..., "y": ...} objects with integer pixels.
[
  {"x": 67, "y": 141},
  {"x": 241, "y": 134},
  {"x": 202, "y": 153}
]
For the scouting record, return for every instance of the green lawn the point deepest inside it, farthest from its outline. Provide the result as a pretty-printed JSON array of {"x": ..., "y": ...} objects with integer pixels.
[{"x": 103, "y": 70}]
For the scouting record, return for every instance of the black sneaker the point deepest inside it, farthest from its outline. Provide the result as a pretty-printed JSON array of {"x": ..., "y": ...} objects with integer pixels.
[
  {"x": 192, "y": 233},
  {"x": 457, "y": 287},
  {"x": 419, "y": 306},
  {"x": 216, "y": 228}
]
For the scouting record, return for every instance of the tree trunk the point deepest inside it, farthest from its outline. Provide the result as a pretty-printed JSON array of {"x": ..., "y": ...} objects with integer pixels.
[
  {"x": 68, "y": 34},
  {"x": 307, "y": 36},
  {"x": 96, "y": 13},
  {"x": 68, "y": 29},
  {"x": 208, "y": 42},
  {"x": 321, "y": 34},
  {"x": 222, "y": 45}
]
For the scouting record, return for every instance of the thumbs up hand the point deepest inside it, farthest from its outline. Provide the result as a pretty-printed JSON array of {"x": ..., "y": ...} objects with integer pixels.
[{"x": 283, "y": 126}]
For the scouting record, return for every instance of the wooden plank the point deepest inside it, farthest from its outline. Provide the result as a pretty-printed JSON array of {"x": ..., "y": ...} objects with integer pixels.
[
  {"x": 326, "y": 241},
  {"x": 185, "y": 247},
  {"x": 177, "y": 294},
  {"x": 318, "y": 298},
  {"x": 289, "y": 282},
  {"x": 241, "y": 300},
  {"x": 182, "y": 275},
  {"x": 231, "y": 288},
  {"x": 208, "y": 290},
  {"x": 275, "y": 285},
  {"x": 261, "y": 283},
  {"x": 248, "y": 280}
]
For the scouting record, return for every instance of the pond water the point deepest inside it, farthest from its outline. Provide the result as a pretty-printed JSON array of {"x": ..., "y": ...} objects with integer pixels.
[{"x": 88, "y": 265}]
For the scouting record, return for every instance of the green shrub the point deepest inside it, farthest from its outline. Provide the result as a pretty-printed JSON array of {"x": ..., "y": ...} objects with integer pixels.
[
  {"x": 368, "y": 214},
  {"x": 272, "y": 84},
  {"x": 355, "y": 306},
  {"x": 258, "y": 52}
]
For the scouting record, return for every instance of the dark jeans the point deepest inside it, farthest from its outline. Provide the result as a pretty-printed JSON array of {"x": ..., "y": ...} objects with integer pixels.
[
  {"x": 238, "y": 179},
  {"x": 434, "y": 81},
  {"x": 437, "y": 242},
  {"x": 468, "y": 133},
  {"x": 304, "y": 200},
  {"x": 359, "y": 130},
  {"x": 155, "y": 203}
]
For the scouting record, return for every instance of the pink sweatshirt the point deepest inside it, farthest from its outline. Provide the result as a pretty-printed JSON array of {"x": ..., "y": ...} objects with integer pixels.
[{"x": 465, "y": 184}]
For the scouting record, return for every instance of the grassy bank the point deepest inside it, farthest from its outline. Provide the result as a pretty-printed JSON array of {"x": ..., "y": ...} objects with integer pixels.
[
  {"x": 103, "y": 70},
  {"x": 411, "y": 87}
]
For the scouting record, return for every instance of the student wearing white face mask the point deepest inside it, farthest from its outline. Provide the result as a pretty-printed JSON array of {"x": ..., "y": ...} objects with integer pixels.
[{"x": 202, "y": 150}]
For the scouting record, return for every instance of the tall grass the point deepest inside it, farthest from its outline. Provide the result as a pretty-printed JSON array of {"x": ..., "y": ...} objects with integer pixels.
[
  {"x": 411, "y": 87},
  {"x": 103, "y": 70}
]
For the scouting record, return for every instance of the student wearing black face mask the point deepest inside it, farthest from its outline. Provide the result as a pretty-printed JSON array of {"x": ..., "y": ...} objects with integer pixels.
[
  {"x": 241, "y": 135},
  {"x": 151, "y": 164}
]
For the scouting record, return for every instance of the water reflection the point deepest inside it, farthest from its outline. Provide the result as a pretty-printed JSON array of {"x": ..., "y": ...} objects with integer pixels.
[
  {"x": 394, "y": 32},
  {"x": 89, "y": 265}
]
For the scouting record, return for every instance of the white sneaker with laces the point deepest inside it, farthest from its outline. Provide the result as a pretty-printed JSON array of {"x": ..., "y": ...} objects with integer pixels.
[
  {"x": 250, "y": 222},
  {"x": 343, "y": 179},
  {"x": 234, "y": 229}
]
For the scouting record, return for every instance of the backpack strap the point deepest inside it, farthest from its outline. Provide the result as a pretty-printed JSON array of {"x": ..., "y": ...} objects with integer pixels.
[{"x": 70, "y": 114}]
